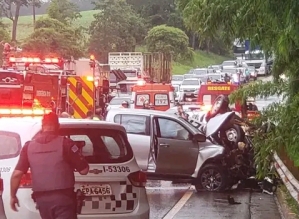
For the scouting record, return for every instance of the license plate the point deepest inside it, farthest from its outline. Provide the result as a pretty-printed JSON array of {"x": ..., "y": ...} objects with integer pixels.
[{"x": 96, "y": 190}]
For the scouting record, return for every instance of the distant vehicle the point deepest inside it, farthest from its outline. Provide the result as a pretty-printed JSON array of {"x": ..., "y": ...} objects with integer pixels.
[
  {"x": 215, "y": 67},
  {"x": 176, "y": 91},
  {"x": 211, "y": 71},
  {"x": 231, "y": 70},
  {"x": 190, "y": 86},
  {"x": 213, "y": 78},
  {"x": 190, "y": 71},
  {"x": 253, "y": 72},
  {"x": 229, "y": 64},
  {"x": 200, "y": 71},
  {"x": 116, "y": 102},
  {"x": 177, "y": 79},
  {"x": 188, "y": 76}
]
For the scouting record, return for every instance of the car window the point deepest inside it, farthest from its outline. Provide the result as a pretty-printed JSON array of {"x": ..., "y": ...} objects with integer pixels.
[
  {"x": 177, "y": 77},
  {"x": 10, "y": 144},
  {"x": 134, "y": 124},
  {"x": 161, "y": 100},
  {"x": 172, "y": 129},
  {"x": 140, "y": 98},
  {"x": 101, "y": 145},
  {"x": 118, "y": 101},
  {"x": 190, "y": 82}
]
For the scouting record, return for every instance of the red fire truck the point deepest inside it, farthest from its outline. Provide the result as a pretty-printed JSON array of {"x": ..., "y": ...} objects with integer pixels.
[
  {"x": 208, "y": 93},
  {"x": 26, "y": 83}
]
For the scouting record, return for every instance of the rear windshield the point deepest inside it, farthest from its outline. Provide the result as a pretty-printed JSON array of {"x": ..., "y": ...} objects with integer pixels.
[
  {"x": 101, "y": 145},
  {"x": 177, "y": 77},
  {"x": 190, "y": 82},
  {"x": 228, "y": 63},
  {"x": 200, "y": 72},
  {"x": 118, "y": 101},
  {"x": 10, "y": 146}
]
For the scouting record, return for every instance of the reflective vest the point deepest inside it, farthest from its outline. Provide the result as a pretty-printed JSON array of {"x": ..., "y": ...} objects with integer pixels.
[{"x": 48, "y": 167}]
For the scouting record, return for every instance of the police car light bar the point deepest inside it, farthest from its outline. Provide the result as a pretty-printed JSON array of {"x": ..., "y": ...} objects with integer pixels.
[
  {"x": 33, "y": 60},
  {"x": 24, "y": 112}
]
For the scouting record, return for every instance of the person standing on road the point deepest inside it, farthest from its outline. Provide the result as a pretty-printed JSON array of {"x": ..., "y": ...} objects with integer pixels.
[{"x": 52, "y": 160}]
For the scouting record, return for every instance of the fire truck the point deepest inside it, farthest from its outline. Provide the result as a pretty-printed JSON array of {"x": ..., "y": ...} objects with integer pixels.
[
  {"x": 89, "y": 88},
  {"x": 210, "y": 91}
]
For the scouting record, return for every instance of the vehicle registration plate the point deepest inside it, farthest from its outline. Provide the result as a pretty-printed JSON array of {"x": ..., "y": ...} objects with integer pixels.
[{"x": 96, "y": 190}]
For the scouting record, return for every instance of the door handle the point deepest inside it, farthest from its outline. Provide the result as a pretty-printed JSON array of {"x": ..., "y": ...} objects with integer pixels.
[{"x": 164, "y": 145}]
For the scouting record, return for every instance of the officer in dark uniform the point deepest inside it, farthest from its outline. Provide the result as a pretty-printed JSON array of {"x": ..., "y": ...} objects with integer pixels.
[{"x": 52, "y": 160}]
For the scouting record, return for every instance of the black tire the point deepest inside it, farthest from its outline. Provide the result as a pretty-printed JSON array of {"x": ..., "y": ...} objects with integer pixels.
[{"x": 220, "y": 176}]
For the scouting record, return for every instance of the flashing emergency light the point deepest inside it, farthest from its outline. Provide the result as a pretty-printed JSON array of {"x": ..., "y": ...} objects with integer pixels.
[
  {"x": 33, "y": 60},
  {"x": 89, "y": 78},
  {"x": 140, "y": 82},
  {"x": 206, "y": 108},
  {"x": 24, "y": 112}
]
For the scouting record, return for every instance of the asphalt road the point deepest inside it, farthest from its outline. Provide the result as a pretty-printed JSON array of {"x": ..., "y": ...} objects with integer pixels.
[{"x": 181, "y": 201}]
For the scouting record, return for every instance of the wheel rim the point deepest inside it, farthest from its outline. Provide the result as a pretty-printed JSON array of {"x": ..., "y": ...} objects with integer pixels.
[
  {"x": 232, "y": 135},
  {"x": 211, "y": 180}
]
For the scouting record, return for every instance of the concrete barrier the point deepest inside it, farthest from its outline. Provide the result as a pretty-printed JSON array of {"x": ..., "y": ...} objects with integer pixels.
[{"x": 287, "y": 177}]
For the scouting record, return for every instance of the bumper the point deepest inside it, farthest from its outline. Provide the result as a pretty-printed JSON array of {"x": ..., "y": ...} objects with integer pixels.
[{"x": 27, "y": 209}]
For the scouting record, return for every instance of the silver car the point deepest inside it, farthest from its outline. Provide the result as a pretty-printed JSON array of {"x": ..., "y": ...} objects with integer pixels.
[{"x": 168, "y": 147}]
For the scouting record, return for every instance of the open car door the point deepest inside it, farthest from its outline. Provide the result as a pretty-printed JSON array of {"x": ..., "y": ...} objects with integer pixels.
[{"x": 174, "y": 150}]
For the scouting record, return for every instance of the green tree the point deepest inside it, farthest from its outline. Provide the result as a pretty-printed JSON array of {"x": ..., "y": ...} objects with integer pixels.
[
  {"x": 11, "y": 10},
  {"x": 54, "y": 37},
  {"x": 170, "y": 40},
  {"x": 274, "y": 26},
  {"x": 117, "y": 27},
  {"x": 63, "y": 10}
]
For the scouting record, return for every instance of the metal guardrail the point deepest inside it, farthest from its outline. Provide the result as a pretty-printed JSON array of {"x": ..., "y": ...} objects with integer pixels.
[{"x": 287, "y": 177}]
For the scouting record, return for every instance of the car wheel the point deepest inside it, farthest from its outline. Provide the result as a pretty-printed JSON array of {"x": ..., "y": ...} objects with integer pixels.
[
  {"x": 212, "y": 178},
  {"x": 235, "y": 134}
]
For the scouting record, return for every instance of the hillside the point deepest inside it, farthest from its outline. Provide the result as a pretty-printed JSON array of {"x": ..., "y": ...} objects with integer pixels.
[{"x": 201, "y": 59}]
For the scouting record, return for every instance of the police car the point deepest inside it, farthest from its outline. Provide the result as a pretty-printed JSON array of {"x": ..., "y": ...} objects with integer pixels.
[{"x": 114, "y": 186}]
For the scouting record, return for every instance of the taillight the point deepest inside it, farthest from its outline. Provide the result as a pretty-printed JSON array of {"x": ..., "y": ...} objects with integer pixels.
[
  {"x": 1, "y": 186},
  {"x": 137, "y": 179},
  {"x": 26, "y": 181}
]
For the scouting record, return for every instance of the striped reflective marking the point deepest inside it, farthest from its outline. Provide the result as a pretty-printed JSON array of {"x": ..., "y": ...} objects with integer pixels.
[{"x": 81, "y": 103}]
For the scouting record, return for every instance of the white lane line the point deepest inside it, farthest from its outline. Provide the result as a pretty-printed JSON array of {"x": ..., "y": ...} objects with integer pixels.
[
  {"x": 167, "y": 188},
  {"x": 179, "y": 205}
]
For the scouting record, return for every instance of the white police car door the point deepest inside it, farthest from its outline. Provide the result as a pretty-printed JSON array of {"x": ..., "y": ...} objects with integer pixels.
[{"x": 107, "y": 188}]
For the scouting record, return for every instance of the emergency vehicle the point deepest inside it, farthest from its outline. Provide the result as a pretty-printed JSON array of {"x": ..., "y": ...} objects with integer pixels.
[
  {"x": 89, "y": 89},
  {"x": 210, "y": 91},
  {"x": 155, "y": 86},
  {"x": 25, "y": 83},
  {"x": 161, "y": 95}
]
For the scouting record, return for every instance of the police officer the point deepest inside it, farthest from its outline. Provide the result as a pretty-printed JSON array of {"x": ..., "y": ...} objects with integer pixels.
[{"x": 52, "y": 160}]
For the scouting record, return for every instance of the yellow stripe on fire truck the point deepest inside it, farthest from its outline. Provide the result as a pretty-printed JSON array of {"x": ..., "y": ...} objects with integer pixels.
[{"x": 81, "y": 99}]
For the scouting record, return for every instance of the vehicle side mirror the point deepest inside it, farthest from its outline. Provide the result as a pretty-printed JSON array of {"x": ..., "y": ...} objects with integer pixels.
[{"x": 199, "y": 138}]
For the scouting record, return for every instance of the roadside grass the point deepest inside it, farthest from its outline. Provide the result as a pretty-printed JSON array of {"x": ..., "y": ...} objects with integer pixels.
[
  {"x": 291, "y": 202},
  {"x": 25, "y": 24},
  {"x": 201, "y": 58}
]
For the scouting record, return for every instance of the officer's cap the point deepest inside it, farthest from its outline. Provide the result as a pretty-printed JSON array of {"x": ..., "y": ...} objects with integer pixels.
[{"x": 50, "y": 118}]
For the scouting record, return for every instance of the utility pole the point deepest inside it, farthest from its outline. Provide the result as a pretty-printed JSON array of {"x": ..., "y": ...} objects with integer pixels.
[{"x": 33, "y": 12}]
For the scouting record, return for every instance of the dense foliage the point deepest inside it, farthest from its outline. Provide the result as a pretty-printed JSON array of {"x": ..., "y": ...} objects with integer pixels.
[
  {"x": 116, "y": 28},
  {"x": 169, "y": 40},
  {"x": 274, "y": 26}
]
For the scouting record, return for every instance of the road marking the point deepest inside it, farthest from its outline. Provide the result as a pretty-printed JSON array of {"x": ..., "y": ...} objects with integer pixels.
[
  {"x": 179, "y": 205},
  {"x": 167, "y": 188}
]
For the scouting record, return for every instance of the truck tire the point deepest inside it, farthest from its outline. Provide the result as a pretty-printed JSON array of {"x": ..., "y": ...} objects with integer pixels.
[{"x": 211, "y": 178}]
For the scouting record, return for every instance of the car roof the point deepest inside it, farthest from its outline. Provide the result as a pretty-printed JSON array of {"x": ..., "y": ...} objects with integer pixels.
[
  {"x": 200, "y": 68},
  {"x": 143, "y": 112},
  {"x": 64, "y": 122},
  {"x": 191, "y": 79}
]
